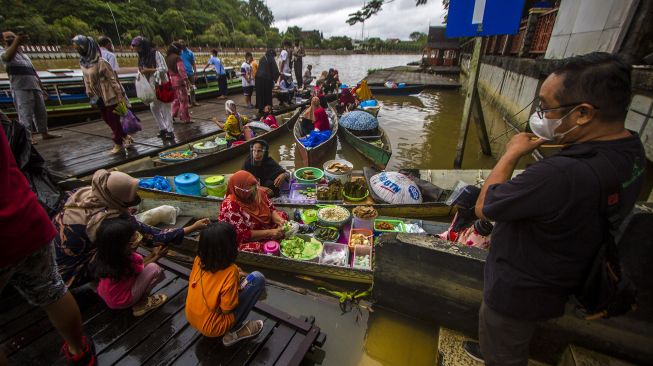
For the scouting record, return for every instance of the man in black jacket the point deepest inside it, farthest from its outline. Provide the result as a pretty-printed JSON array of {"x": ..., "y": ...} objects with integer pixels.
[
  {"x": 549, "y": 224},
  {"x": 266, "y": 75}
]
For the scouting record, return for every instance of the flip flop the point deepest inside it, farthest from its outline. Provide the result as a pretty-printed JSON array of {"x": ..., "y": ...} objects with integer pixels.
[
  {"x": 152, "y": 303},
  {"x": 234, "y": 335}
]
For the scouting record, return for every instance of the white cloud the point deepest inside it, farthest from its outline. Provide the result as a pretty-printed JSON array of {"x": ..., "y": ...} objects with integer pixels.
[{"x": 397, "y": 19}]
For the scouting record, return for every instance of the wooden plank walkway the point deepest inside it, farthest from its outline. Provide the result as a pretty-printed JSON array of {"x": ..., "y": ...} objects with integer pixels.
[
  {"x": 162, "y": 336},
  {"x": 85, "y": 147},
  {"x": 408, "y": 77}
]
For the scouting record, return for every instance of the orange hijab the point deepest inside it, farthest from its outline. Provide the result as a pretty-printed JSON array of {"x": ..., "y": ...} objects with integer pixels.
[{"x": 239, "y": 190}]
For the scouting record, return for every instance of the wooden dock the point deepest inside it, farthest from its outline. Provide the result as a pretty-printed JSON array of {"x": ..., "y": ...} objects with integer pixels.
[
  {"x": 162, "y": 336},
  {"x": 85, "y": 147},
  {"x": 403, "y": 75}
]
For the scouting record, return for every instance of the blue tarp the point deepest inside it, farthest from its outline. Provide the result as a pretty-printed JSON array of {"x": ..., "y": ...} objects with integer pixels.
[
  {"x": 358, "y": 121},
  {"x": 315, "y": 138},
  {"x": 157, "y": 182}
]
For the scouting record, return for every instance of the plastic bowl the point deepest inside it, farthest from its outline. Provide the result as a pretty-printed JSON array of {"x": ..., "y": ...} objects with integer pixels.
[
  {"x": 337, "y": 224},
  {"x": 354, "y": 199},
  {"x": 344, "y": 177},
  {"x": 317, "y": 173}
]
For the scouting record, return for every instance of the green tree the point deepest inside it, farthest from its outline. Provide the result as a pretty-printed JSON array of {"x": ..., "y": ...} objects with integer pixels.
[
  {"x": 374, "y": 6},
  {"x": 417, "y": 36},
  {"x": 216, "y": 35},
  {"x": 258, "y": 9},
  {"x": 173, "y": 25}
]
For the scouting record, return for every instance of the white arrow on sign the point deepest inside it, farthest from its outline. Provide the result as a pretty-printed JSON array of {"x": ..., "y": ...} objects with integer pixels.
[{"x": 479, "y": 11}]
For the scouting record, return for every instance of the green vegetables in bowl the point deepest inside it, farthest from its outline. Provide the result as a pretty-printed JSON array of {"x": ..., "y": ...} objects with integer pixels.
[{"x": 302, "y": 248}]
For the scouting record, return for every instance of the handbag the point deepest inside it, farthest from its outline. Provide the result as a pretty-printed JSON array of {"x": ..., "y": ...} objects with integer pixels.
[{"x": 164, "y": 91}]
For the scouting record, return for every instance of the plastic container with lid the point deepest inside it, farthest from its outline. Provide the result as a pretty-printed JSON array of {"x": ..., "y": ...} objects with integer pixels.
[
  {"x": 362, "y": 257},
  {"x": 188, "y": 183},
  {"x": 344, "y": 177},
  {"x": 271, "y": 248},
  {"x": 335, "y": 254},
  {"x": 216, "y": 185}
]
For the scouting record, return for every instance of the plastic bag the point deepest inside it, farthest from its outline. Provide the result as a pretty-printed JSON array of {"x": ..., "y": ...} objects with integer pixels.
[
  {"x": 130, "y": 123},
  {"x": 159, "y": 215},
  {"x": 144, "y": 90},
  {"x": 157, "y": 182}
]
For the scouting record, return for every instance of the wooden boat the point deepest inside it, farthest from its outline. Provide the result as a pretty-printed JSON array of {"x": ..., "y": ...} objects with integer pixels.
[
  {"x": 372, "y": 110},
  {"x": 375, "y": 148},
  {"x": 152, "y": 165},
  {"x": 380, "y": 89},
  {"x": 192, "y": 207},
  {"x": 445, "y": 179},
  {"x": 314, "y": 156}
]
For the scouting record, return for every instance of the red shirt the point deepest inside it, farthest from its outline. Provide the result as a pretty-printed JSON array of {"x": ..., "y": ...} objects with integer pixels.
[
  {"x": 24, "y": 224},
  {"x": 321, "y": 120}
]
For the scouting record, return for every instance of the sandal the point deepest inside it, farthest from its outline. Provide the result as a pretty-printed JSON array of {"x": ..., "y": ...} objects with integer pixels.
[
  {"x": 152, "y": 303},
  {"x": 254, "y": 327}
]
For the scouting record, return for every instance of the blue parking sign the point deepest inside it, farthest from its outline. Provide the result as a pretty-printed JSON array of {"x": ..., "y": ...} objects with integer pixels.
[{"x": 470, "y": 18}]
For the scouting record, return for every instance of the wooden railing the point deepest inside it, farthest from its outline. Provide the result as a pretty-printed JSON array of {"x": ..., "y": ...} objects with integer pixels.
[{"x": 518, "y": 38}]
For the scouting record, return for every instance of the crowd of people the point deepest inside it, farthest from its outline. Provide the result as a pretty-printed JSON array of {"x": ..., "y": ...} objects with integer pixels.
[{"x": 538, "y": 254}]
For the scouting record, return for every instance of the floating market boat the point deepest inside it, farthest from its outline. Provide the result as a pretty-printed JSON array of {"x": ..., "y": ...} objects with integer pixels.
[
  {"x": 195, "y": 208},
  {"x": 314, "y": 156},
  {"x": 375, "y": 148},
  {"x": 408, "y": 89},
  {"x": 184, "y": 160},
  {"x": 433, "y": 183}
]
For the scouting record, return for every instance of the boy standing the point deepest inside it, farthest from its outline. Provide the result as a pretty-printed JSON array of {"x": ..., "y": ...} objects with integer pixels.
[{"x": 247, "y": 78}]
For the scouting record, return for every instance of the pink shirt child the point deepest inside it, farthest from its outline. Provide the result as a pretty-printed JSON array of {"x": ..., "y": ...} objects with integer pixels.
[{"x": 118, "y": 294}]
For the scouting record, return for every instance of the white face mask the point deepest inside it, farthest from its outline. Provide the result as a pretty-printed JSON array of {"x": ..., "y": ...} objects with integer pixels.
[{"x": 544, "y": 128}]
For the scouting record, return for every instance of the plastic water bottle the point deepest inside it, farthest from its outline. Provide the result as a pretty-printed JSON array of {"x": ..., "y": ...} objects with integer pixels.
[{"x": 246, "y": 280}]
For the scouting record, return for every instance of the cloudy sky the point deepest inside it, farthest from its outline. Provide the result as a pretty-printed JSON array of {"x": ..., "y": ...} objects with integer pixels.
[{"x": 398, "y": 18}]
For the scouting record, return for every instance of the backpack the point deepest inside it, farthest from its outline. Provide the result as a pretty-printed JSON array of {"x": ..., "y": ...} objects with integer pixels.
[{"x": 607, "y": 291}]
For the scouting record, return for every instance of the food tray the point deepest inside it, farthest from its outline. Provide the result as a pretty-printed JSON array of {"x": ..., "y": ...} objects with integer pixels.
[
  {"x": 305, "y": 238},
  {"x": 398, "y": 224},
  {"x": 296, "y": 195},
  {"x": 361, "y": 251},
  {"x": 352, "y": 199},
  {"x": 366, "y": 232},
  {"x": 164, "y": 156},
  {"x": 329, "y": 248}
]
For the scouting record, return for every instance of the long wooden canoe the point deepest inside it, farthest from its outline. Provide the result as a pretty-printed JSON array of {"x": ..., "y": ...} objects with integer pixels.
[
  {"x": 375, "y": 148},
  {"x": 204, "y": 161},
  {"x": 445, "y": 179},
  {"x": 378, "y": 89},
  {"x": 199, "y": 208},
  {"x": 315, "y": 156}
]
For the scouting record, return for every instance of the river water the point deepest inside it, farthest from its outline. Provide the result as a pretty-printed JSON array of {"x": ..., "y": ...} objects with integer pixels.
[{"x": 423, "y": 131}]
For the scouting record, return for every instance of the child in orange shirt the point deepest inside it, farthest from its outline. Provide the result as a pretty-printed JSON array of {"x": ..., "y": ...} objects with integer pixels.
[{"x": 216, "y": 305}]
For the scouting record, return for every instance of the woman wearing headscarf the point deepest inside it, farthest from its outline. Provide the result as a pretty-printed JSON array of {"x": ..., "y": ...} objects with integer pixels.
[
  {"x": 234, "y": 126},
  {"x": 180, "y": 83},
  {"x": 247, "y": 207},
  {"x": 266, "y": 75},
  {"x": 110, "y": 195},
  {"x": 153, "y": 66},
  {"x": 317, "y": 116},
  {"x": 267, "y": 171},
  {"x": 102, "y": 87}
]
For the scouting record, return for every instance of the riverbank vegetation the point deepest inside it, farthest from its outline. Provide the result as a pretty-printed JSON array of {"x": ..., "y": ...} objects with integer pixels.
[{"x": 205, "y": 23}]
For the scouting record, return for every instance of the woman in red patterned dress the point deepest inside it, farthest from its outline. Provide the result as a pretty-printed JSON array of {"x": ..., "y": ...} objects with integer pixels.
[{"x": 251, "y": 212}]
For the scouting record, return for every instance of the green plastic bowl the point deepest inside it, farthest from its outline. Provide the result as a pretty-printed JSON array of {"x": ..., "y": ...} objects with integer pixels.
[
  {"x": 352, "y": 199},
  {"x": 317, "y": 173}
]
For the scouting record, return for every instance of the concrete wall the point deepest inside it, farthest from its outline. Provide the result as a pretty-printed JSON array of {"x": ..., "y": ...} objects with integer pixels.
[{"x": 584, "y": 26}]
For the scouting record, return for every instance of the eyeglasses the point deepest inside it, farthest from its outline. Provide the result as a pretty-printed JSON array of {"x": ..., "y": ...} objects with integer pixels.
[{"x": 542, "y": 111}]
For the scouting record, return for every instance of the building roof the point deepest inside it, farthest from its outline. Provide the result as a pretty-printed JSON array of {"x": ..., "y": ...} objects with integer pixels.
[{"x": 438, "y": 39}]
